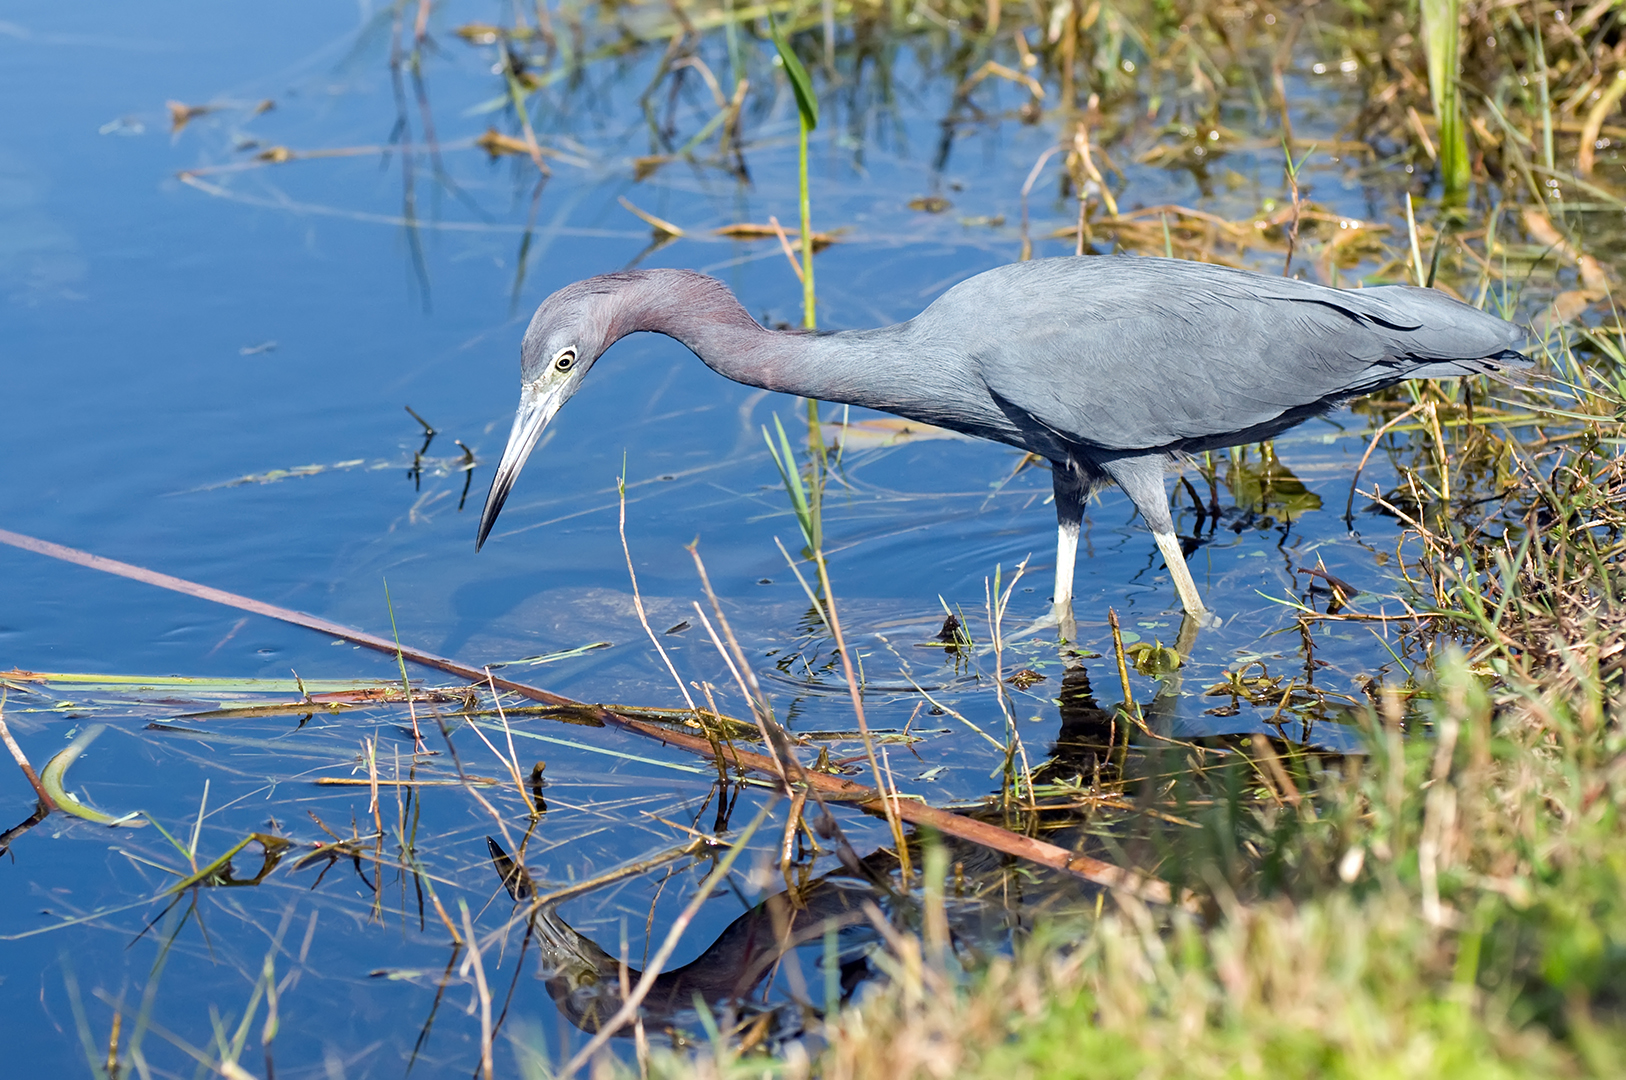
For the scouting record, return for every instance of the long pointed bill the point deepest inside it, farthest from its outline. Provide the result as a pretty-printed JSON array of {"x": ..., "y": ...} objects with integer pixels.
[{"x": 536, "y": 408}]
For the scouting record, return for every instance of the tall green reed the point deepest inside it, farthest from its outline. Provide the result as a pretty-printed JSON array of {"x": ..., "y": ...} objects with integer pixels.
[
  {"x": 807, "y": 111},
  {"x": 1441, "y": 39}
]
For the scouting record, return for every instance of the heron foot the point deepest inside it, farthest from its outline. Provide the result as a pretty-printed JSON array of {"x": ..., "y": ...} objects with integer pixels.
[
  {"x": 1202, "y": 619},
  {"x": 1059, "y": 619},
  {"x": 1044, "y": 622},
  {"x": 1066, "y": 627}
]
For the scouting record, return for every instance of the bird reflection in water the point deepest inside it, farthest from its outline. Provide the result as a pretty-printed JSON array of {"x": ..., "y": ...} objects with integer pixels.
[{"x": 750, "y": 978}]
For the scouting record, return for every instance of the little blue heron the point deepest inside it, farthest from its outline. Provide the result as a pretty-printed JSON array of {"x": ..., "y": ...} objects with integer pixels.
[{"x": 1110, "y": 367}]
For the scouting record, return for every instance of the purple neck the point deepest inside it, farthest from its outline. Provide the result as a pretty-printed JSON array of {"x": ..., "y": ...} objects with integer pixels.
[
  {"x": 703, "y": 314},
  {"x": 880, "y": 368}
]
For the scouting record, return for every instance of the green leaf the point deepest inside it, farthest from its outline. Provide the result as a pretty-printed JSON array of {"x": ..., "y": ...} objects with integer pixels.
[
  {"x": 807, "y": 515},
  {"x": 806, "y": 102}
]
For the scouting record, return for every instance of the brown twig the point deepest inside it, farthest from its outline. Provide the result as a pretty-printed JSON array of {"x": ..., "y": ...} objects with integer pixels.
[
  {"x": 660, "y": 225},
  {"x": 784, "y": 243},
  {"x": 48, "y": 803},
  {"x": 40, "y": 814},
  {"x": 1349, "y": 505},
  {"x": 969, "y": 829},
  {"x": 1118, "y": 651}
]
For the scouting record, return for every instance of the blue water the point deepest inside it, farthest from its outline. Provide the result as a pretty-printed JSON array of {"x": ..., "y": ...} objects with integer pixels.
[{"x": 164, "y": 338}]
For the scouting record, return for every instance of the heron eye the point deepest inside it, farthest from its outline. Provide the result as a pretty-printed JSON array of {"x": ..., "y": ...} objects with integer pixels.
[{"x": 564, "y": 360}]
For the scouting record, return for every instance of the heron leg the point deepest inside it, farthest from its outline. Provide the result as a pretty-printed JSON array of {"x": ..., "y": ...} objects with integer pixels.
[
  {"x": 1142, "y": 480},
  {"x": 1169, "y": 545},
  {"x": 1070, "y": 488}
]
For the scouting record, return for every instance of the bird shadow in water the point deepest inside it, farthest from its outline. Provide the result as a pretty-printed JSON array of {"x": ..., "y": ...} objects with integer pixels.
[{"x": 988, "y": 898}]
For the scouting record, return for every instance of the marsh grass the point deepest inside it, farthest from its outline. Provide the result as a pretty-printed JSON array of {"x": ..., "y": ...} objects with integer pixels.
[{"x": 1444, "y": 907}]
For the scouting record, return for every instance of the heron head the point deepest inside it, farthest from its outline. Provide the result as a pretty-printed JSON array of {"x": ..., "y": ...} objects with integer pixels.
[{"x": 569, "y": 331}]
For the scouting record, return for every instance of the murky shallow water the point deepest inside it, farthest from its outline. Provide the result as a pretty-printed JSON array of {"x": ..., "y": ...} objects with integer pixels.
[{"x": 166, "y": 338}]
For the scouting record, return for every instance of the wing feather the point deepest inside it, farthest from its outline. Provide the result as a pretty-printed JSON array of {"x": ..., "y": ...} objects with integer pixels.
[{"x": 1126, "y": 353}]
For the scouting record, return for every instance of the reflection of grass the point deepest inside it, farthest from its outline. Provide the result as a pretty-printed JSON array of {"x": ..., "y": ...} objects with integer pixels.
[{"x": 1497, "y": 115}]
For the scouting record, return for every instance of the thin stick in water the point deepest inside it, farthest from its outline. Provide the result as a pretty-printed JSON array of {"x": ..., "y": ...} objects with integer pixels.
[
  {"x": 472, "y": 960},
  {"x": 637, "y": 597},
  {"x": 22, "y": 759}
]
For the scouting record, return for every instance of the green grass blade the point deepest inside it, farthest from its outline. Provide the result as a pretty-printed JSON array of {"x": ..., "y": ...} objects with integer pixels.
[
  {"x": 785, "y": 459},
  {"x": 800, "y": 83}
]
